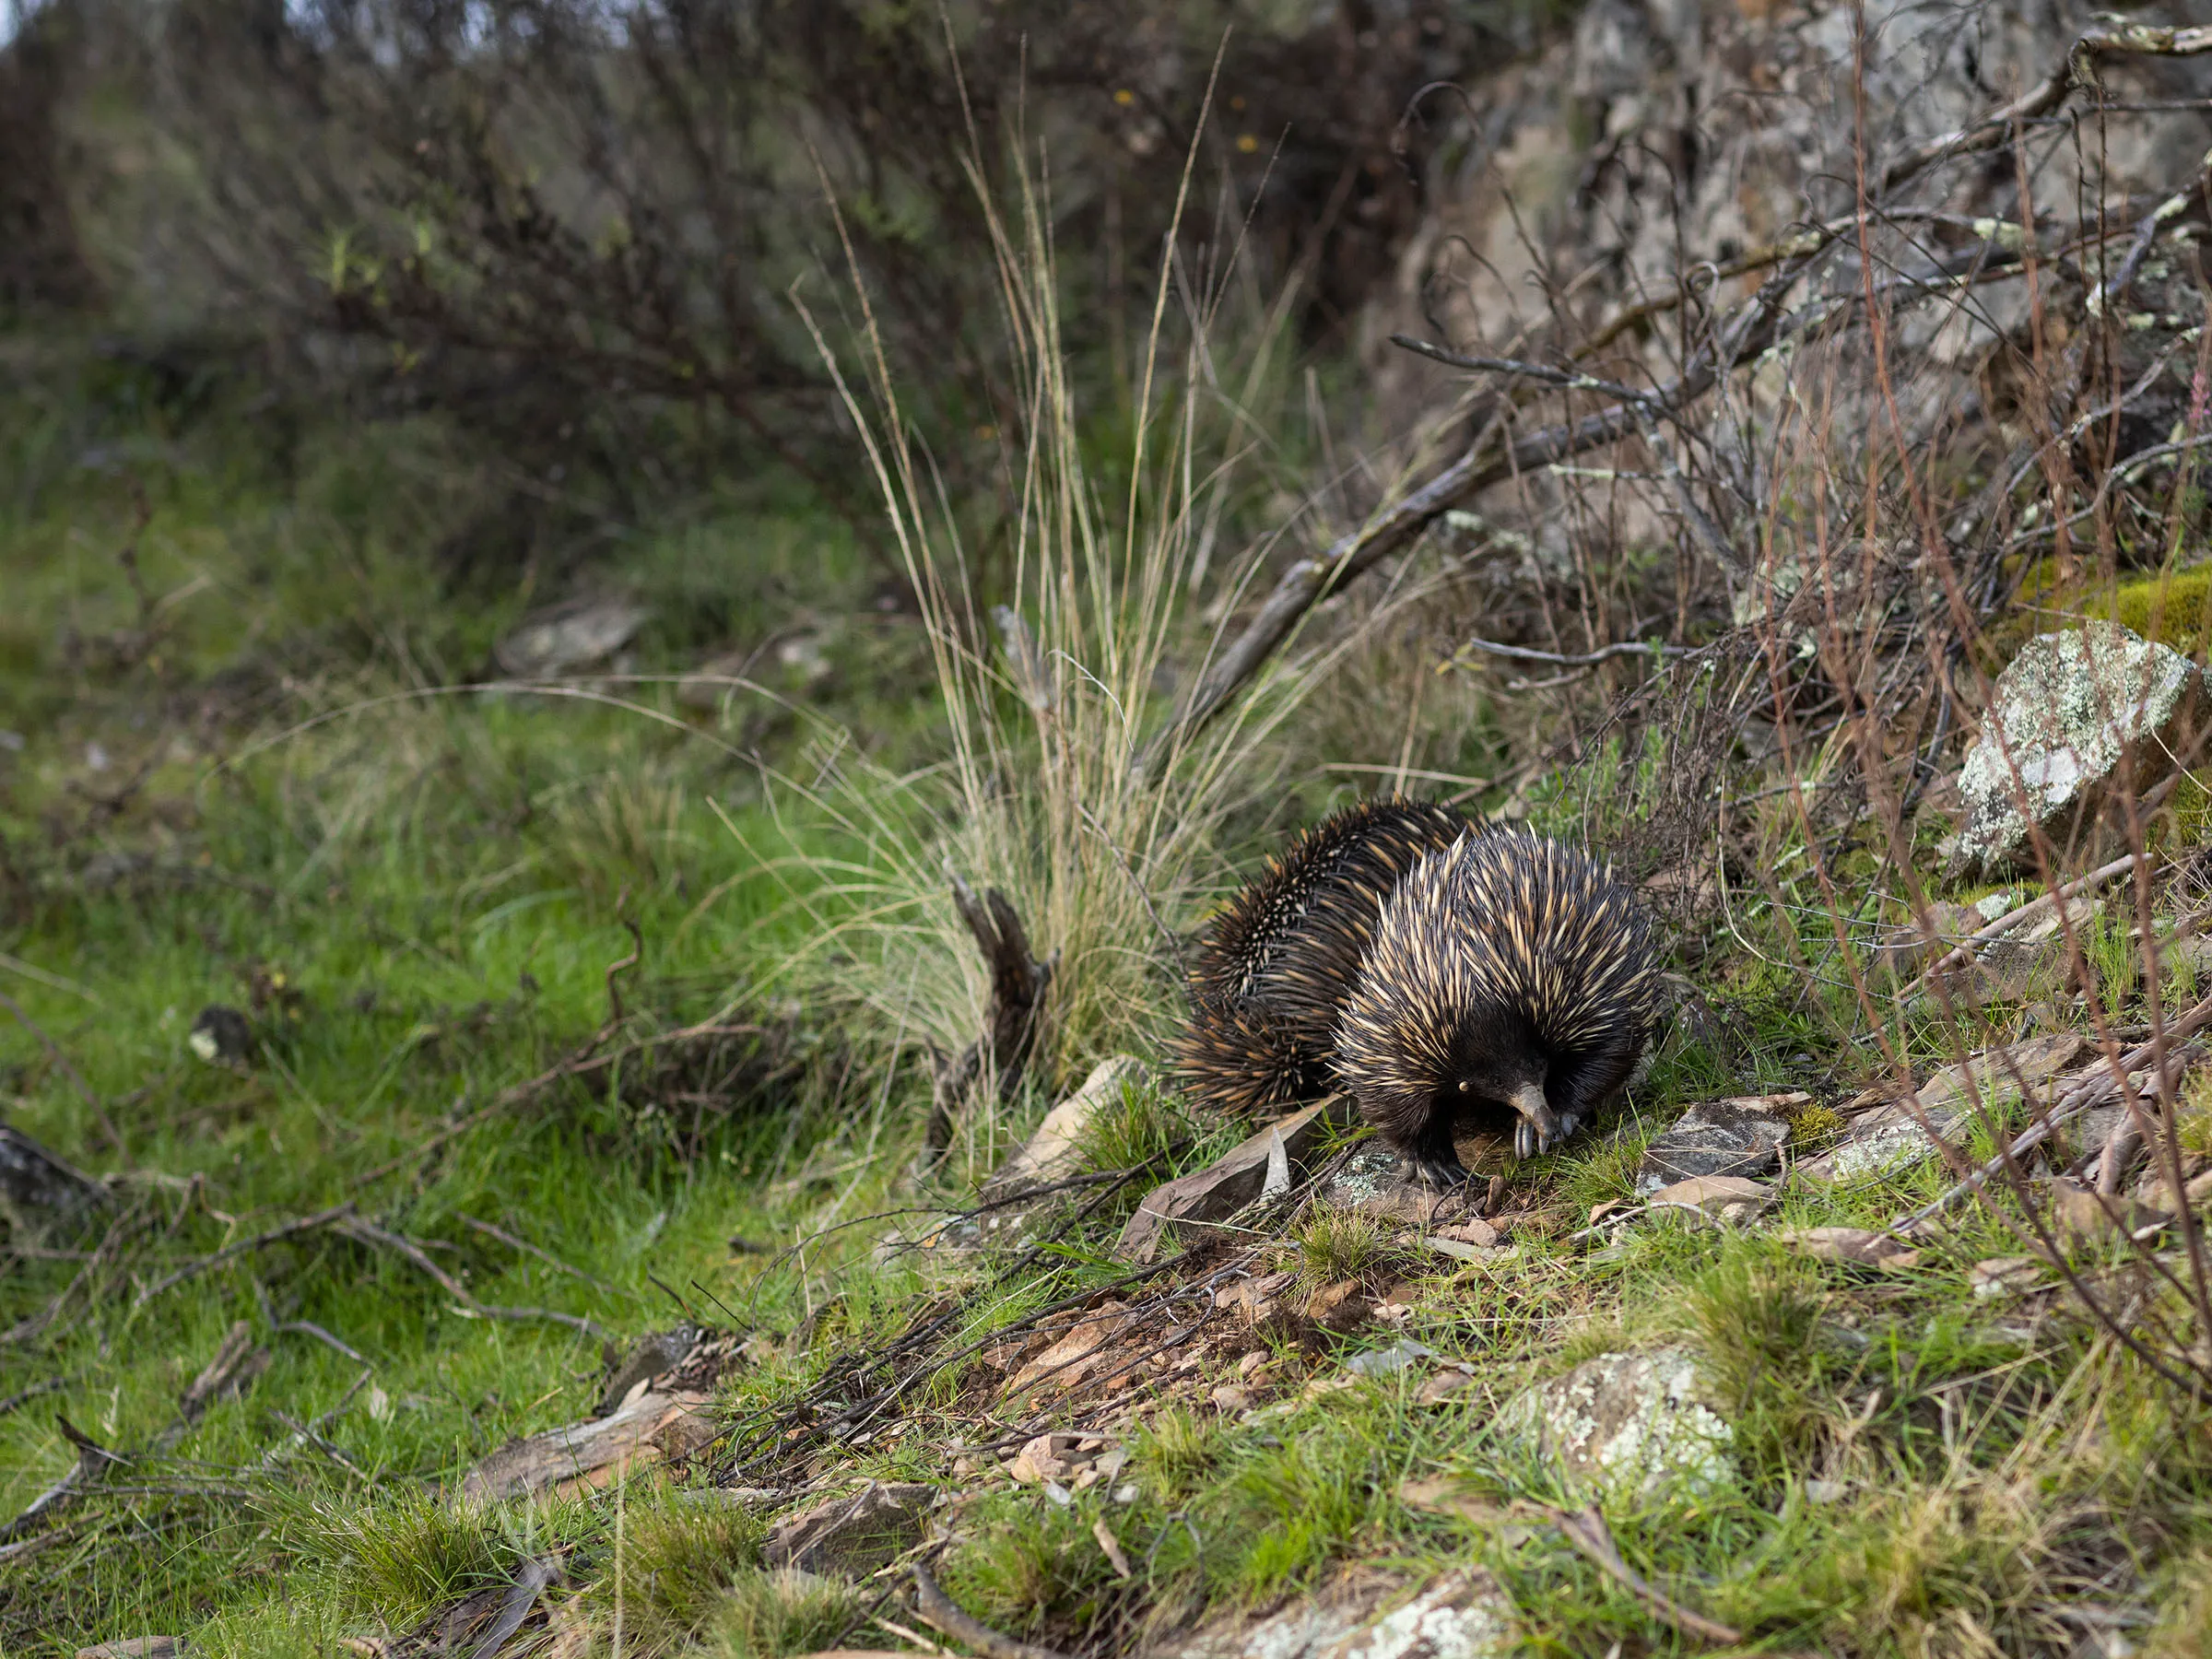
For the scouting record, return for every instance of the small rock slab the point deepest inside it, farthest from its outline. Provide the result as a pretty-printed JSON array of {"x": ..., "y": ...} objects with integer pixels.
[
  {"x": 1460, "y": 1614},
  {"x": 653, "y": 1428},
  {"x": 567, "y": 637},
  {"x": 1053, "y": 1153},
  {"x": 1859, "y": 1245},
  {"x": 851, "y": 1537},
  {"x": 1281, "y": 1152},
  {"x": 1889, "y": 1137},
  {"x": 137, "y": 1647},
  {"x": 1631, "y": 1423},
  {"x": 1373, "y": 1183},
  {"x": 2066, "y": 712},
  {"x": 1718, "y": 1197},
  {"x": 1743, "y": 1135}
]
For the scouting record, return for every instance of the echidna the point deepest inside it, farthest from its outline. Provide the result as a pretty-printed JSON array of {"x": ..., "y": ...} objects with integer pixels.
[
  {"x": 1509, "y": 974},
  {"x": 1278, "y": 961}
]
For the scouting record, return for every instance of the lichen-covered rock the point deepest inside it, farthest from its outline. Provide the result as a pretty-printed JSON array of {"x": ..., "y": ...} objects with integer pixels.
[
  {"x": 2071, "y": 709},
  {"x": 1892, "y": 1138},
  {"x": 1636, "y": 1424},
  {"x": 1459, "y": 1614},
  {"x": 1742, "y": 1136}
]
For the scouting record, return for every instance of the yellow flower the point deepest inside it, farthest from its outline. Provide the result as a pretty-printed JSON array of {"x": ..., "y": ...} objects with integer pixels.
[
  {"x": 1247, "y": 143},
  {"x": 1124, "y": 98}
]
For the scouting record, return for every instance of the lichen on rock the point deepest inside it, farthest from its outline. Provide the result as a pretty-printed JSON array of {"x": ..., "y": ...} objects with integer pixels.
[
  {"x": 2074, "y": 712},
  {"x": 1636, "y": 1424}
]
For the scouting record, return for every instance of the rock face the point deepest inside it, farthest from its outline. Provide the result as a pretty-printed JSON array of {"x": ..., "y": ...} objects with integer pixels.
[
  {"x": 852, "y": 1536},
  {"x": 1742, "y": 1136},
  {"x": 1459, "y": 1614},
  {"x": 1890, "y": 1138},
  {"x": 1631, "y": 1424},
  {"x": 1268, "y": 1163},
  {"x": 2069, "y": 711}
]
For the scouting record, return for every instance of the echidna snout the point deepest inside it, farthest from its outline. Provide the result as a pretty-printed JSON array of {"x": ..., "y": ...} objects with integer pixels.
[{"x": 1511, "y": 979}]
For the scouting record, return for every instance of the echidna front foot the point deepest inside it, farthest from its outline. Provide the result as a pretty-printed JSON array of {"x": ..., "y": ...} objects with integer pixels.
[
  {"x": 1531, "y": 1140},
  {"x": 1439, "y": 1174}
]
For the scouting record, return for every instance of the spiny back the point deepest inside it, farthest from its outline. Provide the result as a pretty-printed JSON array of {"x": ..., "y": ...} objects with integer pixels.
[
  {"x": 1281, "y": 958},
  {"x": 1501, "y": 932}
]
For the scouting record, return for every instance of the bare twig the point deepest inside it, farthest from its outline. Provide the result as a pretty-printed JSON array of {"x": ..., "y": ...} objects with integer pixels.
[
  {"x": 1587, "y": 659},
  {"x": 2046, "y": 95},
  {"x": 290, "y": 1230},
  {"x": 504, "y": 1237},
  {"x": 1587, "y": 1531},
  {"x": 53, "y": 1052},
  {"x": 368, "y": 1232},
  {"x": 940, "y": 1612}
]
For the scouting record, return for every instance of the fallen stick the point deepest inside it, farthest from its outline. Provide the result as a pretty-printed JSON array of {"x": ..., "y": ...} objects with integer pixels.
[
  {"x": 1587, "y": 1531},
  {"x": 550, "y": 1259},
  {"x": 1961, "y": 954},
  {"x": 368, "y": 1232},
  {"x": 940, "y": 1612},
  {"x": 229, "y": 1251}
]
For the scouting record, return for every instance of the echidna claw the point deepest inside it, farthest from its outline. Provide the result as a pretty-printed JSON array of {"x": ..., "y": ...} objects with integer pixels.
[{"x": 1439, "y": 1174}]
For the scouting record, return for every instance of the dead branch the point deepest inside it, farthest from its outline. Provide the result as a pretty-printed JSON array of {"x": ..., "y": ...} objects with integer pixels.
[
  {"x": 1754, "y": 327},
  {"x": 292, "y": 1228},
  {"x": 550, "y": 1259},
  {"x": 368, "y": 1232},
  {"x": 53, "y": 1052},
  {"x": 1588, "y": 1533},
  {"x": 940, "y": 1612},
  {"x": 2041, "y": 100},
  {"x": 1010, "y": 1019},
  {"x": 93, "y": 1460}
]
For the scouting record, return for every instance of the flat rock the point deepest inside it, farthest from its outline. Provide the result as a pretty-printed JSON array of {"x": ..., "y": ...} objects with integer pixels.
[
  {"x": 1373, "y": 1183},
  {"x": 653, "y": 1428},
  {"x": 852, "y": 1536},
  {"x": 1889, "y": 1137},
  {"x": 1739, "y": 1136},
  {"x": 1860, "y": 1245},
  {"x": 1279, "y": 1152},
  {"x": 567, "y": 637},
  {"x": 137, "y": 1647},
  {"x": 1053, "y": 1153},
  {"x": 2087, "y": 1213},
  {"x": 2065, "y": 715},
  {"x": 1720, "y": 1197},
  {"x": 1365, "y": 1613},
  {"x": 1631, "y": 1424}
]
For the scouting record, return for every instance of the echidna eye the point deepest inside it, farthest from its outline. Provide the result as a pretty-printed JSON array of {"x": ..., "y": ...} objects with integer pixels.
[{"x": 1465, "y": 1085}]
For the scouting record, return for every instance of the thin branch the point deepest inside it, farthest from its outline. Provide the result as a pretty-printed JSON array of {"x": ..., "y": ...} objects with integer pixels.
[
  {"x": 1587, "y": 1531},
  {"x": 54, "y": 1051},
  {"x": 940, "y": 1612}
]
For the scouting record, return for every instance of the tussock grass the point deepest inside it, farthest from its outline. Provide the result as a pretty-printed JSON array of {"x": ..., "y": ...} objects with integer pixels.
[
  {"x": 1339, "y": 1245},
  {"x": 771, "y": 1615}
]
